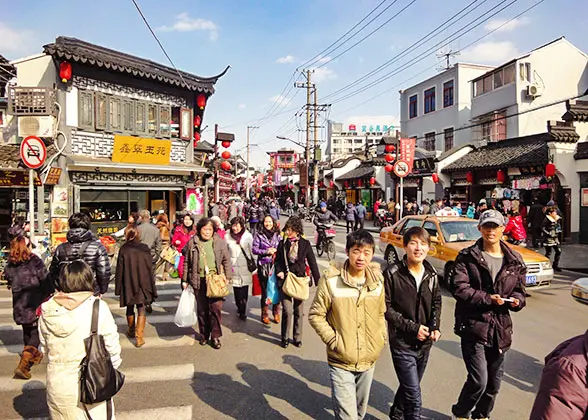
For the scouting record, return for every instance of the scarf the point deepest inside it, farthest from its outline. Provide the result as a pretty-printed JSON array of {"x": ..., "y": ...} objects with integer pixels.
[
  {"x": 268, "y": 234},
  {"x": 237, "y": 236},
  {"x": 293, "y": 253}
]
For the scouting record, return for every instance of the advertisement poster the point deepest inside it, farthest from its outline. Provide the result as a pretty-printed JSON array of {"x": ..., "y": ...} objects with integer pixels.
[
  {"x": 194, "y": 201},
  {"x": 406, "y": 152},
  {"x": 59, "y": 204},
  {"x": 584, "y": 197}
]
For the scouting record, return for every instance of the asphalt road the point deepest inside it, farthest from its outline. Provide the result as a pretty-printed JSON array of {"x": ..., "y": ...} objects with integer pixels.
[{"x": 252, "y": 377}]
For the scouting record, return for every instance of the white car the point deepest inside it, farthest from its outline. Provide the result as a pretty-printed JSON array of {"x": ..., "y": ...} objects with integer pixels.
[{"x": 580, "y": 290}]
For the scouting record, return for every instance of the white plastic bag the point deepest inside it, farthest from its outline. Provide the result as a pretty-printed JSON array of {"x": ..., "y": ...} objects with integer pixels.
[{"x": 186, "y": 312}]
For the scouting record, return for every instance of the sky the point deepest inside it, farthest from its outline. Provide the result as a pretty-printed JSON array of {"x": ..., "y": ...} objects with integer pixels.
[{"x": 268, "y": 43}]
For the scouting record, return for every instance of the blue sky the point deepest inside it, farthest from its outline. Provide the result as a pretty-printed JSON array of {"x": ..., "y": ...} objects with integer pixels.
[{"x": 264, "y": 42}]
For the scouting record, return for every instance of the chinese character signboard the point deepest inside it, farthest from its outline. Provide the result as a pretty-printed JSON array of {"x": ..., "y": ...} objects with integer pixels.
[
  {"x": 129, "y": 149},
  {"x": 16, "y": 179},
  {"x": 406, "y": 152},
  {"x": 53, "y": 176}
]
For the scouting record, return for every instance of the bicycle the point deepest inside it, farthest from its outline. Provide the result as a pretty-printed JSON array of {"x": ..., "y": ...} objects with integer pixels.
[{"x": 326, "y": 243}]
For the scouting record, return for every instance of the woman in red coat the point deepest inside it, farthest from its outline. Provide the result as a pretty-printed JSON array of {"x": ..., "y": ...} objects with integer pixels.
[
  {"x": 515, "y": 229},
  {"x": 182, "y": 235}
]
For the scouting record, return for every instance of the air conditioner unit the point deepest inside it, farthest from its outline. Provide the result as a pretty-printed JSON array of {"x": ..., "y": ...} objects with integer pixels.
[
  {"x": 36, "y": 126},
  {"x": 534, "y": 90}
]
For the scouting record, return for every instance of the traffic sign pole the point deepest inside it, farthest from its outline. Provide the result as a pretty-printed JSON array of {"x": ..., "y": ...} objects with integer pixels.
[
  {"x": 32, "y": 204},
  {"x": 401, "y": 197}
]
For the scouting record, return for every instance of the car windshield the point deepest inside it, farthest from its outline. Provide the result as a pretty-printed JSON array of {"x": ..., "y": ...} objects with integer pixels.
[{"x": 460, "y": 231}]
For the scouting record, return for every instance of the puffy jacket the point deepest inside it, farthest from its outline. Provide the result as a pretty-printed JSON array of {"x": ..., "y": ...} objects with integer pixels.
[
  {"x": 516, "y": 229},
  {"x": 551, "y": 229},
  {"x": 349, "y": 319},
  {"x": 408, "y": 308},
  {"x": 563, "y": 390},
  {"x": 324, "y": 218},
  {"x": 261, "y": 243},
  {"x": 191, "y": 263},
  {"x": 241, "y": 274},
  {"x": 95, "y": 256},
  {"x": 350, "y": 212},
  {"x": 476, "y": 317},
  {"x": 255, "y": 213},
  {"x": 274, "y": 212},
  {"x": 361, "y": 211}
]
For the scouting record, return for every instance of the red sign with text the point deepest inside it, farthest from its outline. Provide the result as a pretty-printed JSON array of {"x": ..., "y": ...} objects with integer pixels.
[{"x": 406, "y": 152}]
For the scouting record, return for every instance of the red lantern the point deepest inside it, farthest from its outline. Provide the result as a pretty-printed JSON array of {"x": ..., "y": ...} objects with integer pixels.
[
  {"x": 201, "y": 101},
  {"x": 226, "y": 144},
  {"x": 196, "y": 136},
  {"x": 549, "y": 170},
  {"x": 359, "y": 183},
  {"x": 435, "y": 178},
  {"x": 195, "y": 143},
  {"x": 389, "y": 157},
  {"x": 65, "y": 71},
  {"x": 388, "y": 168},
  {"x": 470, "y": 177},
  {"x": 197, "y": 121},
  {"x": 372, "y": 180},
  {"x": 226, "y": 154},
  {"x": 346, "y": 184},
  {"x": 390, "y": 148},
  {"x": 331, "y": 184},
  {"x": 500, "y": 176},
  {"x": 226, "y": 166}
]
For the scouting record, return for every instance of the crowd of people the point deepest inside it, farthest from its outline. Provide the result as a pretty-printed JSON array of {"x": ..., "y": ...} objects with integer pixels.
[{"x": 400, "y": 304}]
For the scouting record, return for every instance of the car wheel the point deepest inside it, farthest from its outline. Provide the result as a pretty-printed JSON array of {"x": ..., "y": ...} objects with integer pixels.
[{"x": 390, "y": 255}]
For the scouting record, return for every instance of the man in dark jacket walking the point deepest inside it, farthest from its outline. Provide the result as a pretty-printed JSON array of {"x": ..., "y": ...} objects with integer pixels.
[
  {"x": 413, "y": 312},
  {"x": 83, "y": 245},
  {"x": 149, "y": 235},
  {"x": 488, "y": 281},
  {"x": 535, "y": 218}
]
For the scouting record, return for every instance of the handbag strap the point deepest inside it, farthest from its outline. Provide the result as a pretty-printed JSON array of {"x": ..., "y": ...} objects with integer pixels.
[
  {"x": 286, "y": 257},
  {"x": 95, "y": 313},
  {"x": 247, "y": 257},
  {"x": 108, "y": 410}
]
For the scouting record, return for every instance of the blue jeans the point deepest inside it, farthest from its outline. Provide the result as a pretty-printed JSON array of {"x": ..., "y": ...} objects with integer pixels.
[
  {"x": 350, "y": 392},
  {"x": 409, "y": 365}
]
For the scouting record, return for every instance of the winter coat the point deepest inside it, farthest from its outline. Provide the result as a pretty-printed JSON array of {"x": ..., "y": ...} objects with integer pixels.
[
  {"x": 254, "y": 213},
  {"x": 134, "y": 281},
  {"x": 551, "y": 229},
  {"x": 361, "y": 211},
  {"x": 214, "y": 210},
  {"x": 151, "y": 237},
  {"x": 476, "y": 317},
  {"x": 408, "y": 308},
  {"x": 64, "y": 324},
  {"x": 274, "y": 212},
  {"x": 350, "y": 213},
  {"x": 180, "y": 239},
  {"x": 471, "y": 213},
  {"x": 536, "y": 215},
  {"x": 324, "y": 218},
  {"x": 241, "y": 274},
  {"x": 233, "y": 211},
  {"x": 222, "y": 257},
  {"x": 164, "y": 233},
  {"x": 261, "y": 244},
  {"x": 30, "y": 286},
  {"x": 563, "y": 390},
  {"x": 95, "y": 256},
  {"x": 515, "y": 228},
  {"x": 298, "y": 268},
  {"x": 349, "y": 319}
]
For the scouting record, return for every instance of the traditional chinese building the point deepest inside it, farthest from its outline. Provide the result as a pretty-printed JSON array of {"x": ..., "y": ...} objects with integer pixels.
[{"x": 127, "y": 128}]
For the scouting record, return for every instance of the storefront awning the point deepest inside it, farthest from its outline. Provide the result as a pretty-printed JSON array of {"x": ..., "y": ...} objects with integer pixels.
[
  {"x": 359, "y": 172},
  {"x": 80, "y": 163}
]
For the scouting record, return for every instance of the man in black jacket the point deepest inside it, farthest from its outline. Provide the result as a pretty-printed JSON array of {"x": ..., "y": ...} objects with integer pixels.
[
  {"x": 413, "y": 312},
  {"x": 82, "y": 245},
  {"x": 488, "y": 282}
]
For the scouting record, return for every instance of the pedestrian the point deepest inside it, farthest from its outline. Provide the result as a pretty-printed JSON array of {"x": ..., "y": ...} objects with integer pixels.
[
  {"x": 254, "y": 215},
  {"x": 274, "y": 211},
  {"x": 487, "y": 282},
  {"x": 515, "y": 229},
  {"x": 426, "y": 208},
  {"x": 181, "y": 237},
  {"x": 82, "y": 244},
  {"x": 162, "y": 224},
  {"x": 233, "y": 210},
  {"x": 26, "y": 276},
  {"x": 377, "y": 205},
  {"x": 323, "y": 219},
  {"x": 293, "y": 254},
  {"x": 214, "y": 209},
  {"x": 361, "y": 212},
  {"x": 265, "y": 245},
  {"x": 240, "y": 242},
  {"x": 563, "y": 390},
  {"x": 457, "y": 208},
  {"x": 220, "y": 229},
  {"x": 551, "y": 229},
  {"x": 350, "y": 213},
  {"x": 132, "y": 219},
  {"x": 347, "y": 314},
  {"x": 134, "y": 283},
  {"x": 436, "y": 206},
  {"x": 482, "y": 207},
  {"x": 64, "y": 325},
  {"x": 206, "y": 254},
  {"x": 471, "y": 212},
  {"x": 149, "y": 235},
  {"x": 413, "y": 312}
]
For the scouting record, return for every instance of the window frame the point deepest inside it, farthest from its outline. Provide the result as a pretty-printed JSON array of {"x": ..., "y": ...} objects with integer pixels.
[
  {"x": 85, "y": 95},
  {"x": 155, "y": 131},
  {"x": 114, "y": 99},
  {"x": 414, "y": 103},
  {"x": 430, "y": 99},
  {"x": 448, "y": 90},
  {"x": 410, "y": 222},
  {"x": 100, "y": 97},
  {"x": 160, "y": 131},
  {"x": 131, "y": 128},
  {"x": 429, "y": 141},
  {"x": 445, "y": 132},
  {"x": 138, "y": 106},
  {"x": 185, "y": 123}
]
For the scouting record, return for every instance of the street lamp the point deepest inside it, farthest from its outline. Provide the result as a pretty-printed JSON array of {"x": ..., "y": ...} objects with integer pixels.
[{"x": 307, "y": 160}]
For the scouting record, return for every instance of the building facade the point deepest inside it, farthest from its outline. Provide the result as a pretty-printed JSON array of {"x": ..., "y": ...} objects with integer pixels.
[{"x": 352, "y": 139}]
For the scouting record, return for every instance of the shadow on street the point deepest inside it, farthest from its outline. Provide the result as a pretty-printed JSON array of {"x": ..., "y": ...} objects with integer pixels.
[{"x": 32, "y": 403}]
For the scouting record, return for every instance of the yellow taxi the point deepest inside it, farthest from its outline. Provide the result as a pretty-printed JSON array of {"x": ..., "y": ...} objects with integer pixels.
[{"x": 451, "y": 234}]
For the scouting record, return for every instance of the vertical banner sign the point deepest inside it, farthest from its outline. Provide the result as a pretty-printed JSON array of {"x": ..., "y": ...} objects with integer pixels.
[
  {"x": 194, "y": 201},
  {"x": 406, "y": 152},
  {"x": 259, "y": 180},
  {"x": 277, "y": 177}
]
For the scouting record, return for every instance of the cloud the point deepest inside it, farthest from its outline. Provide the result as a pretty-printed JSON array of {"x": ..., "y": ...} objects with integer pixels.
[
  {"x": 242, "y": 106},
  {"x": 324, "y": 59},
  {"x": 501, "y": 25},
  {"x": 15, "y": 41},
  {"x": 184, "y": 23},
  {"x": 285, "y": 60},
  {"x": 280, "y": 100},
  {"x": 322, "y": 74},
  {"x": 491, "y": 52}
]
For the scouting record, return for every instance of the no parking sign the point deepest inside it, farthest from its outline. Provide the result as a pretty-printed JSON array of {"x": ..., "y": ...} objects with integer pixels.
[{"x": 33, "y": 152}]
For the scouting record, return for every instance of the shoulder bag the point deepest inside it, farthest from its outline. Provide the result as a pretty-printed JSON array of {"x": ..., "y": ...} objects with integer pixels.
[
  {"x": 216, "y": 284},
  {"x": 99, "y": 380},
  {"x": 251, "y": 266},
  {"x": 294, "y": 286}
]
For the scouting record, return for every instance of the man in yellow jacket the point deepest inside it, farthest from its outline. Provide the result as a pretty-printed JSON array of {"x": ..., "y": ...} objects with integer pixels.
[{"x": 348, "y": 314}]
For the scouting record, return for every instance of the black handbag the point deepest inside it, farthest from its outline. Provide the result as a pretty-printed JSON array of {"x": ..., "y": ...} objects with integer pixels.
[
  {"x": 251, "y": 266},
  {"x": 99, "y": 380}
]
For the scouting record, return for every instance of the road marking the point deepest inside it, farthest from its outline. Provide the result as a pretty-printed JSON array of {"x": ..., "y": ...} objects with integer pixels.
[
  {"x": 134, "y": 375},
  {"x": 163, "y": 413}
]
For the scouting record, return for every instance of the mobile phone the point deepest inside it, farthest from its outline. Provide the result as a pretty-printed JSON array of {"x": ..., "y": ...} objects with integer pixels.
[{"x": 508, "y": 299}]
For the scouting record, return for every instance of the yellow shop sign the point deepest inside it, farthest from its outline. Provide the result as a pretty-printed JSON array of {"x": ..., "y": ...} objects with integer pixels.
[{"x": 129, "y": 149}]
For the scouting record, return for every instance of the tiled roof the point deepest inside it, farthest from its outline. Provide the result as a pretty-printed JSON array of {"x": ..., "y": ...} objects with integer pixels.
[
  {"x": 359, "y": 172},
  {"x": 525, "y": 151},
  {"x": 83, "y": 52},
  {"x": 576, "y": 111},
  {"x": 10, "y": 156},
  {"x": 563, "y": 131},
  {"x": 581, "y": 151},
  {"x": 204, "y": 147}
]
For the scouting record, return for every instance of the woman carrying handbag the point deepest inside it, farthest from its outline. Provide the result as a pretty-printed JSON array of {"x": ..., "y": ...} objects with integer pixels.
[
  {"x": 265, "y": 246},
  {"x": 207, "y": 268},
  {"x": 240, "y": 241},
  {"x": 293, "y": 253}
]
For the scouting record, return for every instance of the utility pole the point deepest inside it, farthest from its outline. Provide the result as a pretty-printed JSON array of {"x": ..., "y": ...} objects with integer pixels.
[
  {"x": 315, "y": 160},
  {"x": 247, "y": 187},
  {"x": 309, "y": 86}
]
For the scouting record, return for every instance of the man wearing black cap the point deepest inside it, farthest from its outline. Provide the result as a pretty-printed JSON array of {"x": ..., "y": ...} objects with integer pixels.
[{"x": 488, "y": 281}]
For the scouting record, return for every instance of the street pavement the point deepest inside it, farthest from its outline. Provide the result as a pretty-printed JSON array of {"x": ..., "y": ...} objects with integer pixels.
[{"x": 252, "y": 377}]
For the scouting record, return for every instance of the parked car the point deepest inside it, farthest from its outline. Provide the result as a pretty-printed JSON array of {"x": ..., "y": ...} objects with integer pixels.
[
  {"x": 580, "y": 290},
  {"x": 451, "y": 234}
]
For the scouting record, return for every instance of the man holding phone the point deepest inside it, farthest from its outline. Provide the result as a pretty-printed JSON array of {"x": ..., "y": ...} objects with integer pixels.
[
  {"x": 413, "y": 312},
  {"x": 488, "y": 281}
]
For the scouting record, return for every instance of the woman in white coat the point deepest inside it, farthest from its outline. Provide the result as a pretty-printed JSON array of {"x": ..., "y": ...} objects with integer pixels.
[
  {"x": 240, "y": 241},
  {"x": 64, "y": 324}
]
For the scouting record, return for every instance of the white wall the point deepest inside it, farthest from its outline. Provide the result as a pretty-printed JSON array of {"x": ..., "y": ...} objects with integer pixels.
[
  {"x": 567, "y": 172},
  {"x": 38, "y": 71}
]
